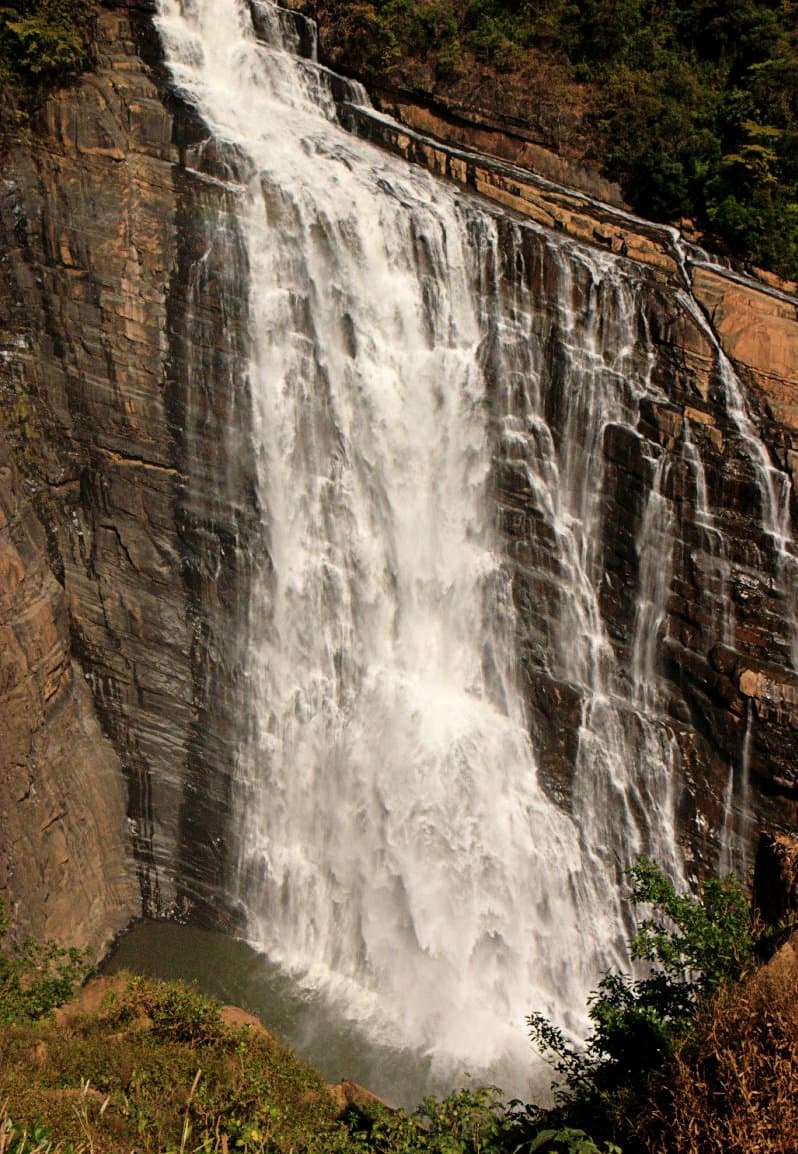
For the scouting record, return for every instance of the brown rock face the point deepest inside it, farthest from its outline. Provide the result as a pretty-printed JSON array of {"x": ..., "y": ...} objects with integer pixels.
[
  {"x": 122, "y": 556},
  {"x": 128, "y": 506},
  {"x": 758, "y": 330},
  {"x": 64, "y": 855},
  {"x": 480, "y": 132}
]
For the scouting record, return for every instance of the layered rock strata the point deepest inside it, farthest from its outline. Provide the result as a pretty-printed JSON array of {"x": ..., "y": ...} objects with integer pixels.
[
  {"x": 128, "y": 507},
  {"x": 63, "y": 855},
  {"x": 123, "y": 400}
]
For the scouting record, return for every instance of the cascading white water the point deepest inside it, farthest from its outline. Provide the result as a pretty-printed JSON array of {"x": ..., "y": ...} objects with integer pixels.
[
  {"x": 716, "y": 569},
  {"x": 626, "y": 764},
  {"x": 395, "y": 846},
  {"x": 654, "y": 544},
  {"x": 734, "y": 846},
  {"x": 773, "y": 484}
]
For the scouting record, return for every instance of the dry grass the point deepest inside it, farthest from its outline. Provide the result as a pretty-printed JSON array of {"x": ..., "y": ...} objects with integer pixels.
[{"x": 733, "y": 1087}]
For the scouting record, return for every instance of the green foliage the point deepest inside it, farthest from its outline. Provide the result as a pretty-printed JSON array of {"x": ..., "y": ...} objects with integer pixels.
[
  {"x": 32, "y": 1139},
  {"x": 181, "y": 1014},
  {"x": 693, "y": 946},
  {"x": 35, "y": 978},
  {"x": 692, "y": 105},
  {"x": 43, "y": 41},
  {"x": 697, "y": 942},
  {"x": 469, "y": 1122},
  {"x": 655, "y": 126},
  {"x": 156, "y": 1070},
  {"x": 567, "y": 1140},
  {"x": 731, "y": 1084}
]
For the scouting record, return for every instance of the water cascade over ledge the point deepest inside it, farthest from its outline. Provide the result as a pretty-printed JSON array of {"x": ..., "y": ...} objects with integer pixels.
[{"x": 433, "y": 387}]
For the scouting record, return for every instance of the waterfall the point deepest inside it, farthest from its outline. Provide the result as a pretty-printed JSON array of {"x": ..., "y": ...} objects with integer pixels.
[
  {"x": 735, "y": 834},
  {"x": 716, "y": 568},
  {"x": 773, "y": 484},
  {"x": 433, "y": 388}
]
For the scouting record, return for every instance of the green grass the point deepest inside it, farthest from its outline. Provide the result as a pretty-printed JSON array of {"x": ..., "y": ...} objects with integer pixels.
[{"x": 155, "y": 1069}]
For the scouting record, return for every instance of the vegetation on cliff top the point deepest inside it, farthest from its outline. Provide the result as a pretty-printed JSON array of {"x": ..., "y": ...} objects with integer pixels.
[
  {"x": 43, "y": 41},
  {"x": 692, "y": 105}
]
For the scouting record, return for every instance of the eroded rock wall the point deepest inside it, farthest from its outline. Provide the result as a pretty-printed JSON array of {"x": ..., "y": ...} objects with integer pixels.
[
  {"x": 120, "y": 335},
  {"x": 128, "y": 508}
]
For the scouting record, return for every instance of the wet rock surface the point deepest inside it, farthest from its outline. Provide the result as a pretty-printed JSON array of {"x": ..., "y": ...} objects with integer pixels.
[
  {"x": 134, "y": 471},
  {"x": 128, "y": 507}
]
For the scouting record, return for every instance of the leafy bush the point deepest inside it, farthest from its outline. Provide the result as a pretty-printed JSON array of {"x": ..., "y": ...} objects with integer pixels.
[
  {"x": 567, "y": 1140},
  {"x": 31, "y": 1139},
  {"x": 694, "y": 946},
  {"x": 43, "y": 41},
  {"x": 155, "y": 1069},
  {"x": 35, "y": 978}
]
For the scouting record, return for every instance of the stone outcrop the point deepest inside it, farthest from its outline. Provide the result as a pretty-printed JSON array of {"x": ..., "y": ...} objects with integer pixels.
[
  {"x": 758, "y": 329},
  {"x": 499, "y": 137}
]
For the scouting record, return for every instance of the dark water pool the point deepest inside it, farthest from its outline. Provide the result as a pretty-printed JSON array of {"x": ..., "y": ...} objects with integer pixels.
[{"x": 233, "y": 972}]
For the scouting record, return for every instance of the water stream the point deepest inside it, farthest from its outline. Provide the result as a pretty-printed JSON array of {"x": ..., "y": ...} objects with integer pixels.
[{"x": 396, "y": 850}]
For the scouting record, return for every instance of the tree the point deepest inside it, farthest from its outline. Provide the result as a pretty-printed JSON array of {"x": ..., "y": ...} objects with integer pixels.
[{"x": 35, "y": 978}]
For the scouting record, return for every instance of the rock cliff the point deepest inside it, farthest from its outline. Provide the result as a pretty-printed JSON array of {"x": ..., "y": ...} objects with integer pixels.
[
  {"x": 733, "y": 706},
  {"x": 122, "y": 500},
  {"x": 127, "y": 502}
]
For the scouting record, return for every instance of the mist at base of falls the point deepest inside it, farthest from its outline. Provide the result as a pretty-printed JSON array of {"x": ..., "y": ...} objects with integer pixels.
[
  {"x": 431, "y": 384},
  {"x": 233, "y": 973}
]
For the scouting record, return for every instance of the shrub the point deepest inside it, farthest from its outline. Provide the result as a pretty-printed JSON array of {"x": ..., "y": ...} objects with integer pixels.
[
  {"x": 693, "y": 946},
  {"x": 32, "y": 1139},
  {"x": 730, "y": 1087},
  {"x": 43, "y": 41},
  {"x": 36, "y": 978}
]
